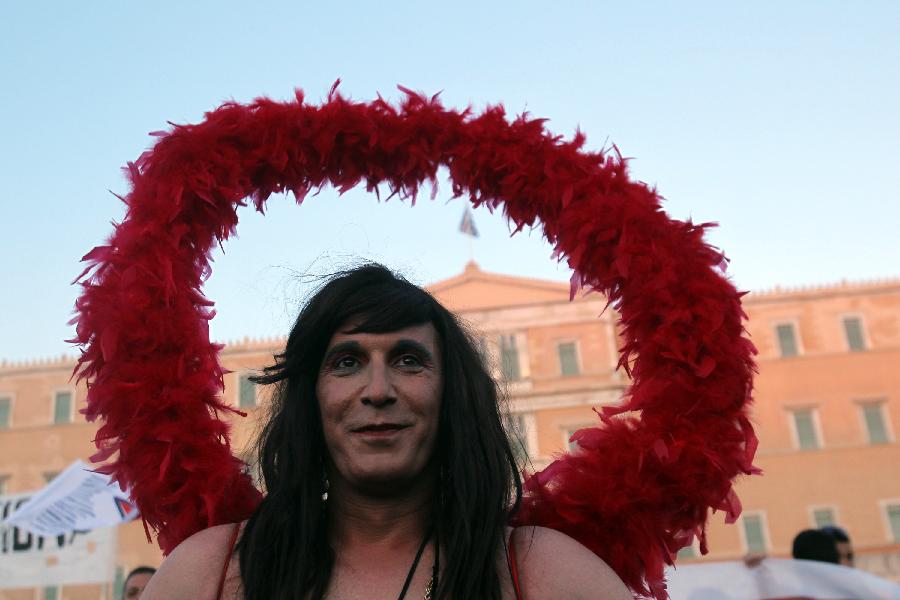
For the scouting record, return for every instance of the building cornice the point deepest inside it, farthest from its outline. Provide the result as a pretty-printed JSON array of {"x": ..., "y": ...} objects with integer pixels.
[
  {"x": 824, "y": 290},
  {"x": 37, "y": 365},
  {"x": 473, "y": 273}
]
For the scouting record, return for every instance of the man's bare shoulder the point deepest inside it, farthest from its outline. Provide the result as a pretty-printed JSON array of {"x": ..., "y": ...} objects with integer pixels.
[
  {"x": 193, "y": 569},
  {"x": 553, "y": 565}
]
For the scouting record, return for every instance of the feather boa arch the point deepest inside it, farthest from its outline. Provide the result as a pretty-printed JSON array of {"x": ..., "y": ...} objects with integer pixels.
[{"x": 640, "y": 484}]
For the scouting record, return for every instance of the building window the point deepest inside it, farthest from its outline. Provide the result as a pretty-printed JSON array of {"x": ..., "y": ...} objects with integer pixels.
[
  {"x": 854, "y": 332},
  {"x": 483, "y": 352},
  {"x": 119, "y": 582},
  {"x": 787, "y": 339},
  {"x": 62, "y": 408},
  {"x": 250, "y": 468},
  {"x": 805, "y": 429},
  {"x": 509, "y": 358},
  {"x": 246, "y": 392},
  {"x": 515, "y": 429},
  {"x": 50, "y": 476},
  {"x": 51, "y": 593},
  {"x": 876, "y": 428},
  {"x": 5, "y": 411},
  {"x": 570, "y": 445},
  {"x": 754, "y": 534},
  {"x": 823, "y": 517},
  {"x": 568, "y": 358},
  {"x": 893, "y": 517},
  {"x": 4, "y": 484}
]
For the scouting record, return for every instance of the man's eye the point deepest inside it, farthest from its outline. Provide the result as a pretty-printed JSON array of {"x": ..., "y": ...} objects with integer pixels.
[
  {"x": 345, "y": 362},
  {"x": 409, "y": 360}
]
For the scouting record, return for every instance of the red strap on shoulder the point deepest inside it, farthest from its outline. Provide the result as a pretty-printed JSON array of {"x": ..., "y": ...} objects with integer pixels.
[
  {"x": 234, "y": 535},
  {"x": 513, "y": 565}
]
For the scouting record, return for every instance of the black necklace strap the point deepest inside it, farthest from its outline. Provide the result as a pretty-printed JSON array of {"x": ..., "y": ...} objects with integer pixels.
[
  {"x": 436, "y": 569},
  {"x": 412, "y": 568}
]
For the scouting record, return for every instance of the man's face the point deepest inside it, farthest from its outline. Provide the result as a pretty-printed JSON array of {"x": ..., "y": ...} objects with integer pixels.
[
  {"x": 134, "y": 585},
  {"x": 379, "y": 396},
  {"x": 845, "y": 553}
]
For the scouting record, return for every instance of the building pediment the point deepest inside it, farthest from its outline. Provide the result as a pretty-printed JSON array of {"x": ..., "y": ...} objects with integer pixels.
[{"x": 475, "y": 289}]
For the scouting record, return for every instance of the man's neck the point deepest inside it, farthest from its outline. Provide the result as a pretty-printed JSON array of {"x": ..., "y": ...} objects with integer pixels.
[{"x": 358, "y": 519}]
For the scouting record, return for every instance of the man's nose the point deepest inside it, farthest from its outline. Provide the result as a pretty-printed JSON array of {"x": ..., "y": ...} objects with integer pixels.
[{"x": 379, "y": 390}]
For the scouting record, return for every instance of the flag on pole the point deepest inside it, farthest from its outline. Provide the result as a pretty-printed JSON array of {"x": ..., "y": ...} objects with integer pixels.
[
  {"x": 467, "y": 225},
  {"x": 77, "y": 499}
]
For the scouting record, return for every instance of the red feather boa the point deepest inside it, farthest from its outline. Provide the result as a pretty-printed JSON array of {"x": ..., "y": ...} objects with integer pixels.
[{"x": 637, "y": 489}]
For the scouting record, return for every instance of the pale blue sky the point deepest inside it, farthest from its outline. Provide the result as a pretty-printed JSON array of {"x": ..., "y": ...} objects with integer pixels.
[{"x": 779, "y": 120}]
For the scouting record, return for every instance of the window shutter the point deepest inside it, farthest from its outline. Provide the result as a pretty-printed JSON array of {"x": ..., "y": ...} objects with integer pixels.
[
  {"x": 893, "y": 513},
  {"x": 806, "y": 430},
  {"x": 5, "y": 412},
  {"x": 62, "y": 408},
  {"x": 246, "y": 392},
  {"x": 823, "y": 517},
  {"x": 787, "y": 339},
  {"x": 509, "y": 358},
  {"x": 875, "y": 426},
  {"x": 568, "y": 359},
  {"x": 854, "y": 333},
  {"x": 753, "y": 532}
]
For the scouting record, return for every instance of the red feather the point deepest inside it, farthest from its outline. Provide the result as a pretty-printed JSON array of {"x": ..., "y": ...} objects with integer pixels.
[{"x": 637, "y": 488}]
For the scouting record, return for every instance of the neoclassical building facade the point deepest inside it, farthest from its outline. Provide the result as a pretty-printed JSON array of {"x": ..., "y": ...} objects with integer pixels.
[{"x": 827, "y": 408}]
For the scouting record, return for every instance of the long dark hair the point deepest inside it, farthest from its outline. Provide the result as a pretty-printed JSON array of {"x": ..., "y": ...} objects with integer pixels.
[{"x": 284, "y": 550}]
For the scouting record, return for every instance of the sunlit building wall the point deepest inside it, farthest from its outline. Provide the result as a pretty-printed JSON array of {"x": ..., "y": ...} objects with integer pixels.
[{"x": 827, "y": 408}]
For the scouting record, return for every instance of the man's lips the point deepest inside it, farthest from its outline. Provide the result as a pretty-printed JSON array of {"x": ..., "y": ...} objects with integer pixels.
[{"x": 380, "y": 428}]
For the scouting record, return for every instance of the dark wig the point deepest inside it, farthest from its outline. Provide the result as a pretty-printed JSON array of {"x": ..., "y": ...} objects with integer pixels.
[{"x": 284, "y": 550}]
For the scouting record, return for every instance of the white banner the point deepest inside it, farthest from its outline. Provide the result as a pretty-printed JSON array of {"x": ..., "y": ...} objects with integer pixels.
[
  {"x": 76, "y": 557},
  {"x": 777, "y": 579},
  {"x": 76, "y": 499}
]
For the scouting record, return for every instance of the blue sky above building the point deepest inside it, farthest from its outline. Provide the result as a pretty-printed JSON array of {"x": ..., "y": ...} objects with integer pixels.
[{"x": 779, "y": 121}]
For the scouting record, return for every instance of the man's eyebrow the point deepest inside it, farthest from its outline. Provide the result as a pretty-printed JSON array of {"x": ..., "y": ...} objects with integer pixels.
[
  {"x": 348, "y": 346},
  {"x": 405, "y": 345}
]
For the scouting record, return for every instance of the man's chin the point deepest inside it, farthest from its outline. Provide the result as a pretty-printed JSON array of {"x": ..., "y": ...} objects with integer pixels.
[
  {"x": 384, "y": 484},
  {"x": 387, "y": 483}
]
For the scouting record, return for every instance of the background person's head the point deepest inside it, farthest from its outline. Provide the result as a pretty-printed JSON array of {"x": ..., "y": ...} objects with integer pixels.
[
  {"x": 842, "y": 541},
  {"x": 472, "y": 465},
  {"x": 812, "y": 544},
  {"x": 136, "y": 582}
]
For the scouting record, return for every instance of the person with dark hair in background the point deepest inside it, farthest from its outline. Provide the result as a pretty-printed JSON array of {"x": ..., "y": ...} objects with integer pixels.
[
  {"x": 387, "y": 471},
  {"x": 136, "y": 581},
  {"x": 842, "y": 541},
  {"x": 814, "y": 544}
]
